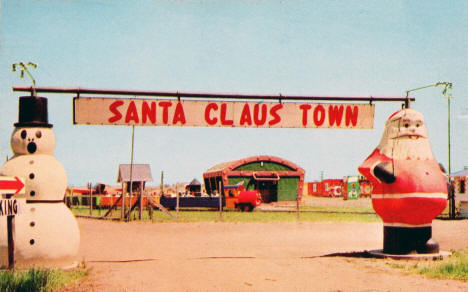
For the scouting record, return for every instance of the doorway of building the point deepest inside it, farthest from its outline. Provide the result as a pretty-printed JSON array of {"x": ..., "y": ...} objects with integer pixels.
[{"x": 268, "y": 190}]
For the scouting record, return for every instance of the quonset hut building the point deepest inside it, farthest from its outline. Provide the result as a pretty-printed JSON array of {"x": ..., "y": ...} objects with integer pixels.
[{"x": 277, "y": 179}]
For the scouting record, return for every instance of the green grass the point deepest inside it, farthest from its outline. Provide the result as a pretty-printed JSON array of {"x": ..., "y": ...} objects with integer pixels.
[
  {"x": 38, "y": 279},
  {"x": 454, "y": 267},
  {"x": 321, "y": 214},
  {"x": 340, "y": 209}
]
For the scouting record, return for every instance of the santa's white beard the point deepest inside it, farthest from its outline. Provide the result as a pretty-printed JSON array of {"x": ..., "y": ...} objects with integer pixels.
[{"x": 406, "y": 148}]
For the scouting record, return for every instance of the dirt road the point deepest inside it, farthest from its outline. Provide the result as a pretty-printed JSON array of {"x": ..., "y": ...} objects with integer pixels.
[{"x": 249, "y": 257}]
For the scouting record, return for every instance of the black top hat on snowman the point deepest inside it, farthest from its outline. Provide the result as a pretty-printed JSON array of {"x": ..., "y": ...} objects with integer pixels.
[{"x": 33, "y": 112}]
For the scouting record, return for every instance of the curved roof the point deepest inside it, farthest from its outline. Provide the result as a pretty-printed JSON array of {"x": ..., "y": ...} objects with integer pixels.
[{"x": 232, "y": 165}]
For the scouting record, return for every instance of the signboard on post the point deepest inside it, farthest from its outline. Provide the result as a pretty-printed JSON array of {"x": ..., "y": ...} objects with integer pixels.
[
  {"x": 11, "y": 185},
  {"x": 9, "y": 207},
  {"x": 199, "y": 113}
]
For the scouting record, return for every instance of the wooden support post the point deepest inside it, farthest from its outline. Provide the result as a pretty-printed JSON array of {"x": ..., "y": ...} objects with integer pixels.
[
  {"x": 298, "y": 211},
  {"x": 150, "y": 207},
  {"x": 130, "y": 202},
  {"x": 90, "y": 199},
  {"x": 140, "y": 206},
  {"x": 122, "y": 203},
  {"x": 162, "y": 183},
  {"x": 177, "y": 205},
  {"x": 11, "y": 238},
  {"x": 11, "y": 241},
  {"x": 220, "y": 201}
]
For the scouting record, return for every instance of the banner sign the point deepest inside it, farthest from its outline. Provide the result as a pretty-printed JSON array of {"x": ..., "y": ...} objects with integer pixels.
[{"x": 190, "y": 113}]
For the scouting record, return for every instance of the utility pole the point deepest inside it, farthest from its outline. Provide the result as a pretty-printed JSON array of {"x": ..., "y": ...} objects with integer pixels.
[{"x": 447, "y": 86}]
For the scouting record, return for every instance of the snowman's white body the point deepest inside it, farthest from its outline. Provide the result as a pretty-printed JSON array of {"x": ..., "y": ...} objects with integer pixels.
[{"x": 46, "y": 232}]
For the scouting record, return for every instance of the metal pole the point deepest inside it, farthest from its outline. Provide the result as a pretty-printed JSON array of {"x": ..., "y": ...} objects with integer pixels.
[
  {"x": 448, "y": 135},
  {"x": 451, "y": 190},
  {"x": 131, "y": 176},
  {"x": 207, "y": 95}
]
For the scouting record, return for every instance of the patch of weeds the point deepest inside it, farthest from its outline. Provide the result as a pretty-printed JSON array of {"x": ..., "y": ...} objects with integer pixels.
[
  {"x": 454, "y": 267},
  {"x": 41, "y": 280}
]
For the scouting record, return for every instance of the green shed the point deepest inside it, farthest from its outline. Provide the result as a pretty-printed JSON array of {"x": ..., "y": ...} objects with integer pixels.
[{"x": 277, "y": 179}]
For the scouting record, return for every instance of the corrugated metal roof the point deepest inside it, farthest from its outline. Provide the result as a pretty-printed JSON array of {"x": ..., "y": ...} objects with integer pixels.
[
  {"x": 140, "y": 172},
  {"x": 221, "y": 166},
  {"x": 236, "y": 163},
  {"x": 460, "y": 173}
]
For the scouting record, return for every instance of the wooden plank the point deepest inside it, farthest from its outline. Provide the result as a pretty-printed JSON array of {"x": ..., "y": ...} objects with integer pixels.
[
  {"x": 112, "y": 207},
  {"x": 11, "y": 241},
  {"x": 159, "y": 206}
]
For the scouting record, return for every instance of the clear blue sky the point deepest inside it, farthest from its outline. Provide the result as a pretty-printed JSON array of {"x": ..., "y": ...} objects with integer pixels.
[{"x": 343, "y": 48}]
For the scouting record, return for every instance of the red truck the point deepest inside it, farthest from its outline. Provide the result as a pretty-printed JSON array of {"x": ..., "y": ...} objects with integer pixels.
[{"x": 238, "y": 198}]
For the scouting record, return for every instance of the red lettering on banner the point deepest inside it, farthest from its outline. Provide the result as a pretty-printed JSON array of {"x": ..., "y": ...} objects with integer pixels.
[
  {"x": 114, "y": 108},
  {"x": 224, "y": 120},
  {"x": 224, "y": 114},
  {"x": 179, "y": 115},
  {"x": 305, "y": 108},
  {"x": 148, "y": 112},
  {"x": 260, "y": 121},
  {"x": 208, "y": 108},
  {"x": 351, "y": 115},
  {"x": 165, "y": 105},
  {"x": 132, "y": 113},
  {"x": 274, "y": 113},
  {"x": 319, "y": 115},
  {"x": 335, "y": 114},
  {"x": 245, "y": 117}
]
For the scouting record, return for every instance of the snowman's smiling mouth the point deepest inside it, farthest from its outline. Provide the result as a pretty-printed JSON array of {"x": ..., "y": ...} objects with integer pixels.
[{"x": 32, "y": 147}]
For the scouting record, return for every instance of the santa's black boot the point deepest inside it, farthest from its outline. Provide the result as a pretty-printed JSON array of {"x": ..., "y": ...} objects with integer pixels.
[{"x": 406, "y": 240}]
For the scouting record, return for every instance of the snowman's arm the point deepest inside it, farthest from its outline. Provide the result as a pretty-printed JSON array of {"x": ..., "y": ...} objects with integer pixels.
[{"x": 383, "y": 171}]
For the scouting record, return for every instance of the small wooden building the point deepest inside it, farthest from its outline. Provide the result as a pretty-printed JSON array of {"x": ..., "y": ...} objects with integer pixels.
[
  {"x": 138, "y": 175},
  {"x": 193, "y": 188},
  {"x": 275, "y": 178}
]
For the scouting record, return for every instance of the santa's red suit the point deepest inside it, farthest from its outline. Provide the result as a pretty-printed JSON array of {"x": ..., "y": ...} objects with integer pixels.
[{"x": 415, "y": 198}]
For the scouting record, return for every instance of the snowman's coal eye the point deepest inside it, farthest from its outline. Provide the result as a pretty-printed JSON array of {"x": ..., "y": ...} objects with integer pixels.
[
  {"x": 38, "y": 134},
  {"x": 406, "y": 125},
  {"x": 23, "y": 134}
]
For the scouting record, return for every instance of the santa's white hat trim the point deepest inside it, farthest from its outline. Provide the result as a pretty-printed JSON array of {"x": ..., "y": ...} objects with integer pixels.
[
  {"x": 410, "y": 195},
  {"x": 398, "y": 224}
]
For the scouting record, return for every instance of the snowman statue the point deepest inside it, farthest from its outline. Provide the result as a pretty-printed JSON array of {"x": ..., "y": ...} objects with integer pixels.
[{"x": 46, "y": 232}]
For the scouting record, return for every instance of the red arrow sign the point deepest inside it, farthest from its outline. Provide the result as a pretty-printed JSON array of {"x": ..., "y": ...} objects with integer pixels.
[{"x": 10, "y": 184}]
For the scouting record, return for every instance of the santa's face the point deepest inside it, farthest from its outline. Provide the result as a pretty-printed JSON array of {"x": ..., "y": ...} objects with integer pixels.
[
  {"x": 405, "y": 136},
  {"x": 410, "y": 126},
  {"x": 32, "y": 140}
]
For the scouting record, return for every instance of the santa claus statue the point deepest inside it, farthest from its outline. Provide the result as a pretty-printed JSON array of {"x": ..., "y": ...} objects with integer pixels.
[{"x": 409, "y": 187}]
